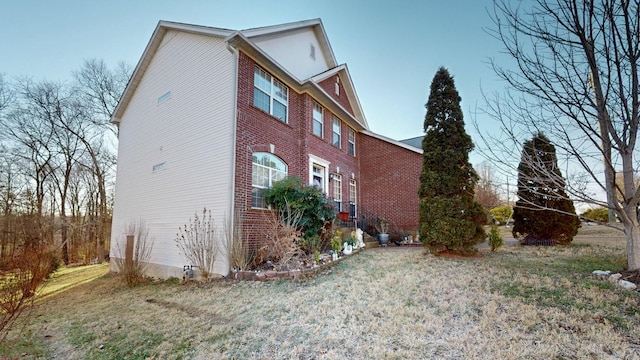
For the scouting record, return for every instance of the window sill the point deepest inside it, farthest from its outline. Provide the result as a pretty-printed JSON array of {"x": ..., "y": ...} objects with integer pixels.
[{"x": 271, "y": 116}]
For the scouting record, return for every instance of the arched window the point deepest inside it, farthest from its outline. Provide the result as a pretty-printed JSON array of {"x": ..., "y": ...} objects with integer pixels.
[{"x": 266, "y": 170}]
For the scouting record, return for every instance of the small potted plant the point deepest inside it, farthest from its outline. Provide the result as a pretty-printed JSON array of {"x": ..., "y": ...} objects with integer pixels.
[{"x": 382, "y": 226}]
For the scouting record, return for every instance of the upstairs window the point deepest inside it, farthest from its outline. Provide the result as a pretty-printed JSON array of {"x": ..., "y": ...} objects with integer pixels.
[
  {"x": 318, "y": 120},
  {"x": 270, "y": 95},
  {"x": 352, "y": 143},
  {"x": 337, "y": 128},
  {"x": 266, "y": 169}
]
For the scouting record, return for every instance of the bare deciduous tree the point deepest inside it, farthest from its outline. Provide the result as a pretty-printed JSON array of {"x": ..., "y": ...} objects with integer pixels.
[
  {"x": 487, "y": 191},
  {"x": 576, "y": 73},
  {"x": 100, "y": 89},
  {"x": 57, "y": 155}
]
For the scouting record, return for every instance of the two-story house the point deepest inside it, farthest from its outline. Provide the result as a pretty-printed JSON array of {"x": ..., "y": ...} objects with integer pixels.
[{"x": 211, "y": 117}]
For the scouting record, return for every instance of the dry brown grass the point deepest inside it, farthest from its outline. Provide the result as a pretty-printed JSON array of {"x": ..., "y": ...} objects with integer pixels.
[{"x": 384, "y": 303}]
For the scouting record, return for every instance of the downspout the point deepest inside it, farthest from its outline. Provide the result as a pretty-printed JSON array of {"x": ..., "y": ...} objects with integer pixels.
[{"x": 232, "y": 222}]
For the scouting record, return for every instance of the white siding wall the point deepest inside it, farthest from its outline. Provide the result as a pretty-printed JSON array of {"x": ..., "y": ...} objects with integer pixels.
[
  {"x": 191, "y": 132},
  {"x": 292, "y": 52}
]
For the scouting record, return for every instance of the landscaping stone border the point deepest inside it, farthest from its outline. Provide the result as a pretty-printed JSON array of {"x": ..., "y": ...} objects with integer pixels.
[{"x": 290, "y": 274}]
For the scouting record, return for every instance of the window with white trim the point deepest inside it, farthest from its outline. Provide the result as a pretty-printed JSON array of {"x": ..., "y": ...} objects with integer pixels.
[
  {"x": 318, "y": 176},
  {"x": 337, "y": 131},
  {"x": 318, "y": 173},
  {"x": 318, "y": 120},
  {"x": 270, "y": 95},
  {"x": 337, "y": 191},
  {"x": 352, "y": 143},
  {"x": 265, "y": 170},
  {"x": 353, "y": 199}
]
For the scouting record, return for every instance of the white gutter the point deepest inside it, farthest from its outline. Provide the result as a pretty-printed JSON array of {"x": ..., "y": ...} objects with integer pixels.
[{"x": 232, "y": 205}]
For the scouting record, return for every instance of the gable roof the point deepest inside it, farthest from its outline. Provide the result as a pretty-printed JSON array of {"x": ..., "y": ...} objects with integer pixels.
[
  {"x": 244, "y": 40},
  {"x": 395, "y": 142},
  {"x": 314, "y": 24},
  {"x": 153, "y": 45},
  {"x": 414, "y": 141},
  {"x": 343, "y": 72}
]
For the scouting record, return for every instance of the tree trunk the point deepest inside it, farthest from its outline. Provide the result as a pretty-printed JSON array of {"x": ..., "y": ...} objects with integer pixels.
[
  {"x": 632, "y": 232},
  {"x": 65, "y": 237}
]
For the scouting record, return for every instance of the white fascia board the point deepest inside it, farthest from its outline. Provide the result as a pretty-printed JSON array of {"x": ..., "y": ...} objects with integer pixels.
[
  {"x": 273, "y": 29},
  {"x": 327, "y": 74},
  {"x": 313, "y": 88},
  {"x": 139, "y": 70},
  {"x": 349, "y": 88},
  {"x": 315, "y": 24},
  {"x": 149, "y": 52},
  {"x": 196, "y": 29},
  {"x": 351, "y": 92},
  {"x": 239, "y": 40},
  {"x": 394, "y": 142},
  {"x": 324, "y": 44}
]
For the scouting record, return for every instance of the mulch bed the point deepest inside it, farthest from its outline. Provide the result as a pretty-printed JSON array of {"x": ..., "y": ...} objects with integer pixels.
[{"x": 631, "y": 275}]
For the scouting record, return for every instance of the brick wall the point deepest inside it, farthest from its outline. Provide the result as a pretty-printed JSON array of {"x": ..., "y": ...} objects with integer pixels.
[
  {"x": 329, "y": 85},
  {"x": 390, "y": 181},
  {"x": 292, "y": 142}
]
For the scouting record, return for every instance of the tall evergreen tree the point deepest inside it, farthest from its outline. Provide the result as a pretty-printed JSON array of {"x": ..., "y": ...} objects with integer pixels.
[
  {"x": 543, "y": 213},
  {"x": 450, "y": 219}
]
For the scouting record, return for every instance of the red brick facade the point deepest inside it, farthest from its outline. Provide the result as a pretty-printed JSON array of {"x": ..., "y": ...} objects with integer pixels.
[
  {"x": 329, "y": 86},
  {"x": 292, "y": 142},
  {"x": 386, "y": 175},
  {"x": 390, "y": 182}
]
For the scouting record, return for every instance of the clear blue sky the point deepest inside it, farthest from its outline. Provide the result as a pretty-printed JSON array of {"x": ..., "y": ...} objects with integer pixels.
[{"x": 393, "y": 48}]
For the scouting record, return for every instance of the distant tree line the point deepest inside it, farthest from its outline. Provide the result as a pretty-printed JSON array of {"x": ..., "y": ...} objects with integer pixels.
[{"x": 57, "y": 157}]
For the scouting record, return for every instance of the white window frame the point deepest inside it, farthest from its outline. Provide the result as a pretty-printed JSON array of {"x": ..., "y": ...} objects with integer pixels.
[
  {"x": 337, "y": 135},
  {"x": 318, "y": 110},
  {"x": 337, "y": 189},
  {"x": 324, "y": 164},
  {"x": 272, "y": 173},
  {"x": 353, "y": 195},
  {"x": 351, "y": 147},
  {"x": 272, "y": 93}
]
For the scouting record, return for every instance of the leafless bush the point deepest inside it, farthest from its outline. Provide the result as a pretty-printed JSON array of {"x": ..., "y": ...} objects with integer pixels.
[
  {"x": 239, "y": 254},
  {"x": 133, "y": 265},
  {"x": 29, "y": 269},
  {"x": 283, "y": 238},
  {"x": 198, "y": 242}
]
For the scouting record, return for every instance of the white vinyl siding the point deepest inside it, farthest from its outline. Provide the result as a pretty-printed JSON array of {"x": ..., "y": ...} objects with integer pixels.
[
  {"x": 292, "y": 51},
  {"x": 182, "y": 134}
]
